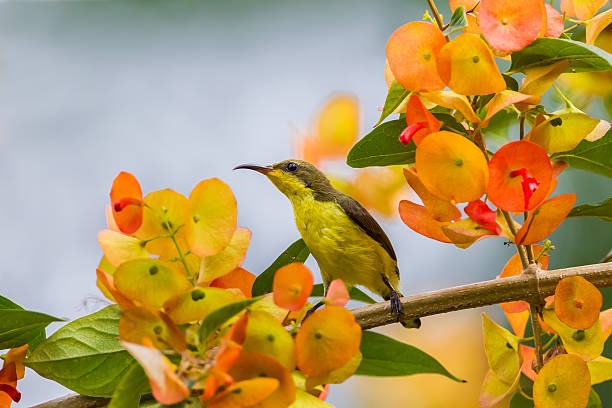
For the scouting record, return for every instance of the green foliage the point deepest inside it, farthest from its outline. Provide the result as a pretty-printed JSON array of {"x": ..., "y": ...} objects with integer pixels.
[
  {"x": 132, "y": 385},
  {"x": 458, "y": 21},
  {"x": 297, "y": 252},
  {"x": 590, "y": 156},
  {"x": 381, "y": 147},
  {"x": 601, "y": 210},
  {"x": 19, "y": 326},
  {"x": 547, "y": 51},
  {"x": 222, "y": 315},
  {"x": 395, "y": 97},
  {"x": 386, "y": 357},
  {"x": 85, "y": 355},
  {"x": 594, "y": 400}
]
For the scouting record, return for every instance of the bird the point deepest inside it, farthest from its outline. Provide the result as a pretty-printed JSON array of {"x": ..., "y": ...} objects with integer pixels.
[{"x": 345, "y": 240}]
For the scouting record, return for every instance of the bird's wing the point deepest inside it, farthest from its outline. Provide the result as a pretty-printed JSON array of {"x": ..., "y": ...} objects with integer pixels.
[{"x": 362, "y": 217}]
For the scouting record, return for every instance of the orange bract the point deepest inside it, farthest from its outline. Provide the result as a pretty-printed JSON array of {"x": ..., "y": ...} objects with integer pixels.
[
  {"x": 327, "y": 340},
  {"x": 544, "y": 220},
  {"x": 420, "y": 120},
  {"x": 563, "y": 382},
  {"x": 239, "y": 278},
  {"x": 511, "y": 25},
  {"x": 412, "y": 53},
  {"x": 126, "y": 202},
  {"x": 246, "y": 393},
  {"x": 467, "y": 66},
  {"x": 520, "y": 174},
  {"x": 577, "y": 302},
  {"x": 420, "y": 220},
  {"x": 581, "y": 9},
  {"x": 452, "y": 167},
  {"x": 292, "y": 286},
  {"x": 440, "y": 210},
  {"x": 265, "y": 334},
  {"x": 337, "y": 294}
]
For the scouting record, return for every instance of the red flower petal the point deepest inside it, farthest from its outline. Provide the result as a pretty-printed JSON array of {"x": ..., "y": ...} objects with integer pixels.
[{"x": 480, "y": 213}]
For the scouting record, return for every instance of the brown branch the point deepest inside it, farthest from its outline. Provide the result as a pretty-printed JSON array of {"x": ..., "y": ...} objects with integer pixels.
[
  {"x": 527, "y": 287},
  {"x": 521, "y": 287}
]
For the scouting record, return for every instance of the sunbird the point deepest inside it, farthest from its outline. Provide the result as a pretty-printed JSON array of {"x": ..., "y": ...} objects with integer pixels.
[{"x": 345, "y": 240}]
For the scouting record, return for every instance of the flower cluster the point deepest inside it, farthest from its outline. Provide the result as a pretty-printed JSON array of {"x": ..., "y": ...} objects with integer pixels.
[{"x": 173, "y": 265}]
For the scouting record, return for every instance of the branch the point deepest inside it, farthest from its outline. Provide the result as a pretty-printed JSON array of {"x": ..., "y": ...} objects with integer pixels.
[{"x": 521, "y": 287}]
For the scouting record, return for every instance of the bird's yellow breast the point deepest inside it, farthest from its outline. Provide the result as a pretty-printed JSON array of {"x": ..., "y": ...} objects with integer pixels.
[{"x": 341, "y": 248}]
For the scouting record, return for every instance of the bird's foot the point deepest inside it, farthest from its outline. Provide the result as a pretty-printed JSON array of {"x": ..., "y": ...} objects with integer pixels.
[
  {"x": 312, "y": 310},
  {"x": 398, "y": 311}
]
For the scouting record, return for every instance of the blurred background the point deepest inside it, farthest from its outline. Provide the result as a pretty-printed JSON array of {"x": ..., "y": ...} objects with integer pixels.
[{"x": 176, "y": 92}]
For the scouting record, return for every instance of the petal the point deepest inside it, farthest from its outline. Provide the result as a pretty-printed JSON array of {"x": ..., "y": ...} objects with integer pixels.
[
  {"x": 588, "y": 344},
  {"x": 440, "y": 210},
  {"x": 506, "y": 181},
  {"x": 126, "y": 202},
  {"x": 467, "y": 66},
  {"x": 581, "y": 9},
  {"x": 292, "y": 286},
  {"x": 502, "y": 100},
  {"x": 231, "y": 257},
  {"x": 149, "y": 281},
  {"x": 412, "y": 52},
  {"x": 327, "y": 340},
  {"x": 510, "y": 26},
  {"x": 211, "y": 218},
  {"x": 337, "y": 294},
  {"x": 140, "y": 323},
  {"x": 501, "y": 348},
  {"x": 119, "y": 248},
  {"x": 452, "y": 167},
  {"x": 545, "y": 219},
  {"x": 421, "y": 119},
  {"x": 337, "y": 125},
  {"x": 480, "y": 213},
  {"x": 197, "y": 303},
  {"x": 266, "y": 335},
  {"x": 239, "y": 278},
  {"x": 453, "y": 100},
  {"x": 554, "y": 22},
  {"x": 420, "y": 220},
  {"x": 246, "y": 393},
  {"x": 466, "y": 232},
  {"x": 564, "y": 381},
  {"x": 495, "y": 392},
  {"x": 577, "y": 302}
]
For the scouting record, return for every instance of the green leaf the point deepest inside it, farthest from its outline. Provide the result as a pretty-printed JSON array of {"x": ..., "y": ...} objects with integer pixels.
[
  {"x": 547, "y": 51},
  {"x": 19, "y": 326},
  {"x": 354, "y": 293},
  {"x": 395, "y": 97},
  {"x": 449, "y": 123},
  {"x": 381, "y": 147},
  {"x": 590, "y": 156},
  {"x": 386, "y": 357},
  {"x": 594, "y": 400},
  {"x": 85, "y": 355},
  {"x": 222, "y": 315},
  {"x": 297, "y": 252},
  {"x": 457, "y": 22},
  {"x": 133, "y": 383},
  {"x": 601, "y": 210}
]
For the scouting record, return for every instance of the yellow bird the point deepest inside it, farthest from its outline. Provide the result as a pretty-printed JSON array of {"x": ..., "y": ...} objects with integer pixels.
[{"x": 344, "y": 239}]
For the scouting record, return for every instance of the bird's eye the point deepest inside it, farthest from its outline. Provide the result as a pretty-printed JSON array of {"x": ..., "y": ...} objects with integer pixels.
[{"x": 291, "y": 166}]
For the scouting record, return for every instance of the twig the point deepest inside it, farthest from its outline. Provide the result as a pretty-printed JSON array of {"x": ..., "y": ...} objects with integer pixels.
[{"x": 520, "y": 287}]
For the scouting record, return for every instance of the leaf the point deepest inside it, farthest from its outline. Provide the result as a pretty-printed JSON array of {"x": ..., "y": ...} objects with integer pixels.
[
  {"x": 19, "y": 326},
  {"x": 297, "y": 252},
  {"x": 590, "y": 156},
  {"x": 381, "y": 147},
  {"x": 133, "y": 383},
  {"x": 449, "y": 122},
  {"x": 547, "y": 51},
  {"x": 396, "y": 96},
  {"x": 355, "y": 293},
  {"x": 458, "y": 21},
  {"x": 221, "y": 315},
  {"x": 386, "y": 357},
  {"x": 85, "y": 355},
  {"x": 601, "y": 210}
]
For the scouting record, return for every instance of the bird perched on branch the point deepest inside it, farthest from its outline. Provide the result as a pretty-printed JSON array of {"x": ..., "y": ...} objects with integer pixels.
[{"x": 344, "y": 239}]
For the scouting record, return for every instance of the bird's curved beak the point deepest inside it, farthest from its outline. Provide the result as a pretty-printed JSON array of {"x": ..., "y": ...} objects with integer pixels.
[{"x": 259, "y": 169}]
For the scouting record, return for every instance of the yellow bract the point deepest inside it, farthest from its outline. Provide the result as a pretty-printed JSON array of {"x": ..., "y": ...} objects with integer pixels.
[
  {"x": 501, "y": 348},
  {"x": 245, "y": 393},
  {"x": 563, "y": 382},
  {"x": 588, "y": 343},
  {"x": 337, "y": 376},
  {"x": 141, "y": 325},
  {"x": 211, "y": 217},
  {"x": 150, "y": 282},
  {"x": 119, "y": 248},
  {"x": 231, "y": 257},
  {"x": 467, "y": 66},
  {"x": 197, "y": 303},
  {"x": 452, "y": 167},
  {"x": 264, "y": 334}
]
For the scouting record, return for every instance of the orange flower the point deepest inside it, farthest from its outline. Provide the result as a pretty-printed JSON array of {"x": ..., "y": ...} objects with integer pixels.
[
  {"x": 419, "y": 120},
  {"x": 126, "y": 202},
  {"x": 510, "y": 26},
  {"x": 292, "y": 286}
]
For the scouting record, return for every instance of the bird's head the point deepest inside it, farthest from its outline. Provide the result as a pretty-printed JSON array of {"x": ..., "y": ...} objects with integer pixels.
[{"x": 294, "y": 178}]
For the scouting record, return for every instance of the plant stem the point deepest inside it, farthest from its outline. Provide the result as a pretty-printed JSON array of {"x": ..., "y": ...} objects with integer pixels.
[
  {"x": 436, "y": 14},
  {"x": 537, "y": 336},
  {"x": 519, "y": 248}
]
